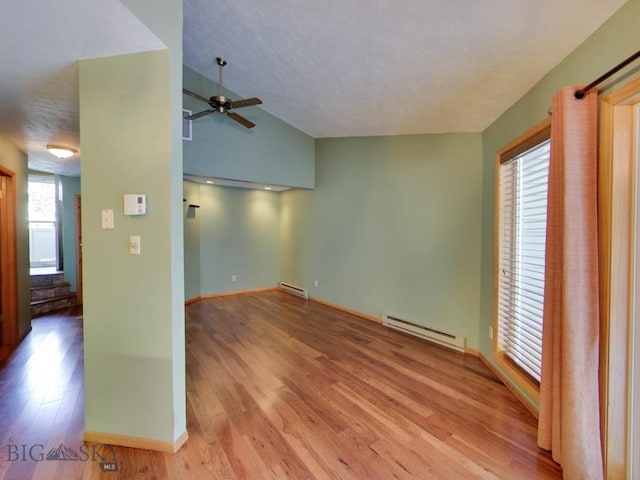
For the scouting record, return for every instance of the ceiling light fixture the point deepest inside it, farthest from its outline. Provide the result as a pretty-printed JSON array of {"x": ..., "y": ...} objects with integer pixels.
[
  {"x": 61, "y": 152},
  {"x": 210, "y": 182},
  {"x": 267, "y": 188}
]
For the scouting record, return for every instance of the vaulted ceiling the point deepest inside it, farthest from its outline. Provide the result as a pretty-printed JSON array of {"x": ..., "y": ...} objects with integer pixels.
[{"x": 349, "y": 68}]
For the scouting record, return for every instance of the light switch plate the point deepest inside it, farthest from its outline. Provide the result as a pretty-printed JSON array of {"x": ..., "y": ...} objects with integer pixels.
[
  {"x": 134, "y": 244},
  {"x": 107, "y": 219}
]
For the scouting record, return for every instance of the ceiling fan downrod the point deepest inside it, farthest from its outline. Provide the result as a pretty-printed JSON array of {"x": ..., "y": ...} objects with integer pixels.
[{"x": 221, "y": 63}]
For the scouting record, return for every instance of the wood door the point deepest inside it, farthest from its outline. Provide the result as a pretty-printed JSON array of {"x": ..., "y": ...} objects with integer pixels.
[
  {"x": 79, "y": 248},
  {"x": 8, "y": 259}
]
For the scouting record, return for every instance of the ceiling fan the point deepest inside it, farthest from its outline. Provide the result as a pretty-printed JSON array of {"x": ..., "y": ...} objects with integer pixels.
[{"x": 222, "y": 104}]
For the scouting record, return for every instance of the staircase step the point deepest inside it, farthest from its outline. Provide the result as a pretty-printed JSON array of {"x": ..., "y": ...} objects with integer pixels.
[
  {"x": 47, "y": 305},
  {"x": 51, "y": 299},
  {"x": 47, "y": 279},
  {"x": 50, "y": 291}
]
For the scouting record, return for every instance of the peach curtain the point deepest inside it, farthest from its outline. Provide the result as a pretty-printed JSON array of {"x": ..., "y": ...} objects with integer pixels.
[{"x": 569, "y": 420}]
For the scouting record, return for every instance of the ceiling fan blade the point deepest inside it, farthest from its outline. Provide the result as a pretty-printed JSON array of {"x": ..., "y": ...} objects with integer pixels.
[
  {"x": 195, "y": 95},
  {"x": 241, "y": 120},
  {"x": 199, "y": 114},
  {"x": 245, "y": 103}
]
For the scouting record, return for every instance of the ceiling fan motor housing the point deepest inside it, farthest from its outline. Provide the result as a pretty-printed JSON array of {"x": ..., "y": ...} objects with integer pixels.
[{"x": 220, "y": 103}]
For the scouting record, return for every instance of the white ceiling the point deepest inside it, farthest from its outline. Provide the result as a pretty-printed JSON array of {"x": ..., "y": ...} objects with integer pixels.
[
  {"x": 329, "y": 68},
  {"x": 386, "y": 67}
]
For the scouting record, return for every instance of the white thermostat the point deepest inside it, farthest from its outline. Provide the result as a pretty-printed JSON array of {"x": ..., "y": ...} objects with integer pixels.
[{"x": 135, "y": 204}]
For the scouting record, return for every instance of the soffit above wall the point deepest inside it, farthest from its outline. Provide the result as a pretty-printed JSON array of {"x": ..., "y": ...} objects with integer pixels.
[{"x": 223, "y": 182}]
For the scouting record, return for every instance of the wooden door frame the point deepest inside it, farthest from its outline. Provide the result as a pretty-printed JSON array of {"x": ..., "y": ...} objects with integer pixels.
[
  {"x": 618, "y": 170},
  {"x": 8, "y": 265}
]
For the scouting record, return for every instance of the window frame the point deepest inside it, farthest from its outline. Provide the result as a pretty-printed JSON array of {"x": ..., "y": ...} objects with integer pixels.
[
  {"x": 534, "y": 136},
  {"x": 619, "y": 257}
]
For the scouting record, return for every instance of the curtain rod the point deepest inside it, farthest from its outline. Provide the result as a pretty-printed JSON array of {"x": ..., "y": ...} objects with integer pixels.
[{"x": 582, "y": 92}]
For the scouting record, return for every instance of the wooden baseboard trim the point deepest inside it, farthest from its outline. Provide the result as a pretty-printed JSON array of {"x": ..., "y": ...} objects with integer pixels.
[
  {"x": 199, "y": 298},
  {"x": 346, "y": 310},
  {"x": 191, "y": 300},
  {"x": 135, "y": 442},
  {"x": 467, "y": 350},
  {"x": 524, "y": 400},
  {"x": 238, "y": 292}
]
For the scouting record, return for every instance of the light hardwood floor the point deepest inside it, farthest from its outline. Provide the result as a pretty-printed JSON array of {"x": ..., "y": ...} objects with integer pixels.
[{"x": 278, "y": 387}]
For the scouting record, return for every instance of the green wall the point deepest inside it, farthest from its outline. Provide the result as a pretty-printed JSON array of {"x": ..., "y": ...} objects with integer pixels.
[
  {"x": 164, "y": 19},
  {"x": 393, "y": 226},
  {"x": 130, "y": 135},
  {"x": 616, "y": 40},
  {"x": 70, "y": 188},
  {"x": 273, "y": 152},
  {"x": 234, "y": 232},
  {"x": 16, "y": 161},
  {"x": 241, "y": 231}
]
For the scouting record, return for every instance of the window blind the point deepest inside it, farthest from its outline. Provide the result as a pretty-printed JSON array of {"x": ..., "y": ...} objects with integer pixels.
[{"x": 523, "y": 216}]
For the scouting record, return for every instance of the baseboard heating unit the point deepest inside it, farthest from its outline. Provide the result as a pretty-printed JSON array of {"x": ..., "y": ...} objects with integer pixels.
[
  {"x": 449, "y": 340},
  {"x": 294, "y": 290}
]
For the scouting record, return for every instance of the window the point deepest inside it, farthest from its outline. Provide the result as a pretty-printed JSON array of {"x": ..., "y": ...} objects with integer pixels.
[
  {"x": 43, "y": 236},
  {"x": 522, "y": 177}
]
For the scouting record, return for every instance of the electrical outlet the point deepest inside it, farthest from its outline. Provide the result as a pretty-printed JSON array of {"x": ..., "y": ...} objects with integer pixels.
[
  {"x": 491, "y": 333},
  {"x": 234, "y": 278},
  {"x": 316, "y": 283}
]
